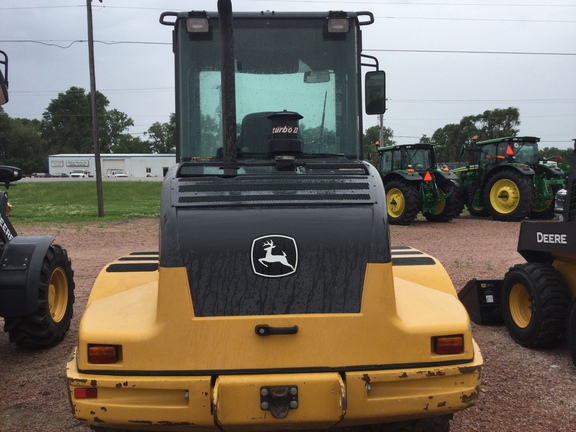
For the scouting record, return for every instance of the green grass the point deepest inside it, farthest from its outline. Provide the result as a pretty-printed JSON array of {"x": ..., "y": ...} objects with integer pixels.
[{"x": 70, "y": 201}]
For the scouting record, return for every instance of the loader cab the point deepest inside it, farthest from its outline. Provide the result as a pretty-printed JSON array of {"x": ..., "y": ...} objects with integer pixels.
[{"x": 309, "y": 65}]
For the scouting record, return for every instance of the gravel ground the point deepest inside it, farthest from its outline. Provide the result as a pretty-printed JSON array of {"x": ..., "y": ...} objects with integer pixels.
[{"x": 522, "y": 390}]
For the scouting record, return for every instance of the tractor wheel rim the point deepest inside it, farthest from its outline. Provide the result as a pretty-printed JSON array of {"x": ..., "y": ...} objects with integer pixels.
[
  {"x": 440, "y": 205},
  {"x": 547, "y": 204},
  {"x": 58, "y": 295},
  {"x": 504, "y": 196},
  {"x": 520, "y": 305},
  {"x": 396, "y": 202}
]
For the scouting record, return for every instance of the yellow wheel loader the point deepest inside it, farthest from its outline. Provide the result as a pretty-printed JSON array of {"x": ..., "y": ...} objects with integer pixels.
[{"x": 275, "y": 301}]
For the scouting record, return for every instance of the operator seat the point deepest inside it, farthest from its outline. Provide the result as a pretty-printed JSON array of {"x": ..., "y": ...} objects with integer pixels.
[{"x": 256, "y": 132}]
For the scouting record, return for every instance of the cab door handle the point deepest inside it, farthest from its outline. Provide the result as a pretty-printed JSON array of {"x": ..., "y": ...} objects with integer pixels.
[{"x": 266, "y": 330}]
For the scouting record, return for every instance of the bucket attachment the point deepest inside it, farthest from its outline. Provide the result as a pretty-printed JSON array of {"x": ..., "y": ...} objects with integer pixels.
[{"x": 482, "y": 300}]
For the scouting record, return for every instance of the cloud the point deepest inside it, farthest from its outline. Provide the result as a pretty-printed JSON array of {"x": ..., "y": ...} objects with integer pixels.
[{"x": 444, "y": 60}]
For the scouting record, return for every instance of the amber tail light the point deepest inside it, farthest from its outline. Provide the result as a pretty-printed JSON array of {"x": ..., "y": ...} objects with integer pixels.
[
  {"x": 448, "y": 344},
  {"x": 103, "y": 354}
]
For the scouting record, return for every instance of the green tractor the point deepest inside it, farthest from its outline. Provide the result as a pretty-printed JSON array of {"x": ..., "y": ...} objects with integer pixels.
[
  {"x": 414, "y": 183},
  {"x": 506, "y": 180}
]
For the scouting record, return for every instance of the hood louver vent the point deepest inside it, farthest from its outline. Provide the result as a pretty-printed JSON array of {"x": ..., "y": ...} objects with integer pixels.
[{"x": 273, "y": 190}]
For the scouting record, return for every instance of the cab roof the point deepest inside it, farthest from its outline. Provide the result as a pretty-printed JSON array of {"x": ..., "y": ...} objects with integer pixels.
[{"x": 509, "y": 139}]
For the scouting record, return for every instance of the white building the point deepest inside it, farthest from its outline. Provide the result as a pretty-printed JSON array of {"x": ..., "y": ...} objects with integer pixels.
[{"x": 134, "y": 165}]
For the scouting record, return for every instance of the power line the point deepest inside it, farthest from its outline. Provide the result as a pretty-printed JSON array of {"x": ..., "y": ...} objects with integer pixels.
[
  {"x": 70, "y": 43},
  {"x": 470, "y": 52},
  {"x": 378, "y": 2},
  {"x": 478, "y": 19},
  {"x": 53, "y": 43},
  {"x": 559, "y": 100}
]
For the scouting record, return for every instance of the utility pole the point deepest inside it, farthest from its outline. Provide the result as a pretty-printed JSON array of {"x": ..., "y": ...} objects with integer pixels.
[
  {"x": 381, "y": 124},
  {"x": 94, "y": 111}
]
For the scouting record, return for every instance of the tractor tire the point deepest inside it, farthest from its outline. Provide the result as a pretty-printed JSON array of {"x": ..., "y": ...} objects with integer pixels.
[
  {"x": 402, "y": 202},
  {"x": 48, "y": 325},
  {"x": 571, "y": 331},
  {"x": 548, "y": 212},
  {"x": 449, "y": 207},
  {"x": 477, "y": 211},
  {"x": 535, "y": 300},
  {"x": 508, "y": 196},
  {"x": 461, "y": 194}
]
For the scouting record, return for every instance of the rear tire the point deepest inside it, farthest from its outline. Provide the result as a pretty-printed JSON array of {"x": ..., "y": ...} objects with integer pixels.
[
  {"x": 548, "y": 212},
  {"x": 48, "y": 325},
  {"x": 402, "y": 201},
  {"x": 476, "y": 211},
  {"x": 451, "y": 206},
  {"x": 508, "y": 196},
  {"x": 571, "y": 331},
  {"x": 535, "y": 302}
]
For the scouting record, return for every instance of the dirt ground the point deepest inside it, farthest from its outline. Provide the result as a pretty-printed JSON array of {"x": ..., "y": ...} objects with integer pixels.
[{"x": 522, "y": 390}]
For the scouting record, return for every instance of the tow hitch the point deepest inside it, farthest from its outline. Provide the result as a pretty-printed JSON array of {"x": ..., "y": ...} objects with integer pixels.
[{"x": 279, "y": 400}]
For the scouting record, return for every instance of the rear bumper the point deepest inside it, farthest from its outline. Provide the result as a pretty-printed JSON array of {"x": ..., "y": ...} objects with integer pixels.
[{"x": 244, "y": 402}]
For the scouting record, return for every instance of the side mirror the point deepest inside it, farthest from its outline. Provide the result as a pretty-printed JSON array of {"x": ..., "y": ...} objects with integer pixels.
[{"x": 375, "y": 92}]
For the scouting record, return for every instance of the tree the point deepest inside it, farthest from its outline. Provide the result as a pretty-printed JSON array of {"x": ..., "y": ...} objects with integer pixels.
[
  {"x": 449, "y": 140},
  {"x": 496, "y": 123},
  {"x": 21, "y": 144},
  {"x": 130, "y": 144},
  {"x": 162, "y": 136},
  {"x": 372, "y": 142},
  {"x": 113, "y": 131},
  {"x": 562, "y": 157},
  {"x": 67, "y": 122}
]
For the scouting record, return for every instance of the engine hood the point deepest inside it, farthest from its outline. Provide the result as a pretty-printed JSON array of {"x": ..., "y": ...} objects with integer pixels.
[{"x": 278, "y": 245}]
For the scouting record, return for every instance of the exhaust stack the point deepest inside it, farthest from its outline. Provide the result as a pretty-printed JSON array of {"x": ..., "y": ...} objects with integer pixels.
[{"x": 228, "y": 84}]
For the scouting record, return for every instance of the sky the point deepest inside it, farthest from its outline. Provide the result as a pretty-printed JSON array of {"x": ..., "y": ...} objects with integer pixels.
[{"x": 444, "y": 59}]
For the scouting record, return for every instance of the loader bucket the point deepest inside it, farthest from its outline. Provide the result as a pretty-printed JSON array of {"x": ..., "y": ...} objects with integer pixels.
[{"x": 482, "y": 300}]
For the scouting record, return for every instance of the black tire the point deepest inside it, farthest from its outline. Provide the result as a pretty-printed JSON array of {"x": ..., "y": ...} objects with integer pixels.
[
  {"x": 450, "y": 207},
  {"x": 402, "y": 201},
  {"x": 548, "y": 212},
  {"x": 509, "y": 195},
  {"x": 535, "y": 301},
  {"x": 461, "y": 193},
  {"x": 48, "y": 325},
  {"x": 476, "y": 211},
  {"x": 571, "y": 331}
]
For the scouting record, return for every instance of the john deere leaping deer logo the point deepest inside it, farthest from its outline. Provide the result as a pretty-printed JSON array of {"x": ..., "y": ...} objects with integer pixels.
[{"x": 274, "y": 256}]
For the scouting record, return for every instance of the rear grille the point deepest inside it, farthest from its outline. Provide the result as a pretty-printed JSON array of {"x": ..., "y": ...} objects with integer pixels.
[{"x": 271, "y": 190}]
